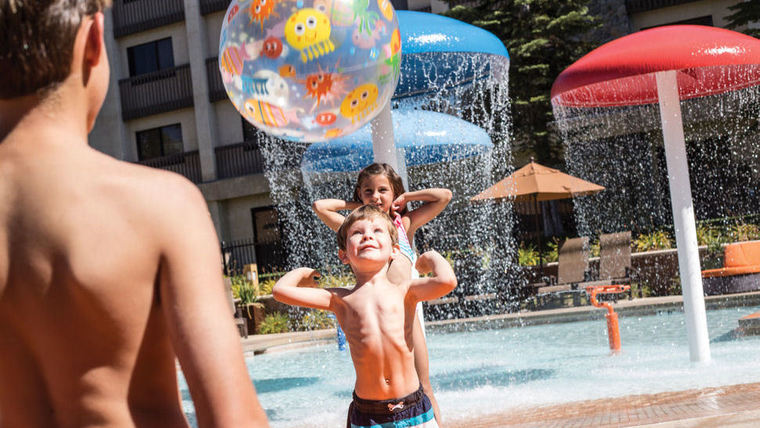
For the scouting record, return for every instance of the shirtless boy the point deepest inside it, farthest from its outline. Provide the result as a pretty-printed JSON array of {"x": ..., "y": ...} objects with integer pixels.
[
  {"x": 377, "y": 317},
  {"x": 107, "y": 269}
]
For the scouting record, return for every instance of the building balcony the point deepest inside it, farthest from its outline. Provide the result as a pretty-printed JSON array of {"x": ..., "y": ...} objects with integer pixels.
[
  {"x": 211, "y": 6},
  {"x": 635, "y": 6},
  {"x": 134, "y": 16},
  {"x": 157, "y": 92},
  {"x": 239, "y": 159},
  {"x": 216, "y": 91},
  {"x": 187, "y": 164}
]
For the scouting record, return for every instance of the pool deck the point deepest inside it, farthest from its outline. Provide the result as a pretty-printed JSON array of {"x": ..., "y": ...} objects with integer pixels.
[{"x": 725, "y": 406}]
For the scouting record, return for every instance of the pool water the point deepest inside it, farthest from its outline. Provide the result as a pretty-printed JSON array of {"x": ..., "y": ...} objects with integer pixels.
[{"x": 489, "y": 371}]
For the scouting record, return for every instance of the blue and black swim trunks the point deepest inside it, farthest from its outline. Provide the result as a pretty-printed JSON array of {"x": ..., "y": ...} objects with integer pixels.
[{"x": 414, "y": 410}]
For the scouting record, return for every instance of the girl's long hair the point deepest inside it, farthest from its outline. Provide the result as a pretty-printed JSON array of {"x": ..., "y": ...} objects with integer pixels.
[{"x": 381, "y": 169}]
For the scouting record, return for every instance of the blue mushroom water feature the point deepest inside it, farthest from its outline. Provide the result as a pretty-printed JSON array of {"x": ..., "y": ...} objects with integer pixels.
[{"x": 424, "y": 137}]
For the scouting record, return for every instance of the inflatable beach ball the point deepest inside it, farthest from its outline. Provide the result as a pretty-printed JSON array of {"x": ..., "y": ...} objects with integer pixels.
[{"x": 309, "y": 70}]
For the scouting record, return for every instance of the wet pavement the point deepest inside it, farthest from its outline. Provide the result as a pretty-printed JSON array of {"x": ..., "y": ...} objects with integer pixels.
[{"x": 725, "y": 406}]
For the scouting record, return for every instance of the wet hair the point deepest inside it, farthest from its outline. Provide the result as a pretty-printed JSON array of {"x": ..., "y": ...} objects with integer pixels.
[
  {"x": 380, "y": 169},
  {"x": 365, "y": 212},
  {"x": 37, "y": 43}
]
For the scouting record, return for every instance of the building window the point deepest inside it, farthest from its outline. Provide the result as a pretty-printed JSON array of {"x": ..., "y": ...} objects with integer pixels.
[
  {"x": 266, "y": 228},
  {"x": 149, "y": 57},
  {"x": 159, "y": 142}
]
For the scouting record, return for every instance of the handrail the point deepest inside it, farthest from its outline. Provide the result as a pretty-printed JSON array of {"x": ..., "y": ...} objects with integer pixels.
[{"x": 613, "y": 328}]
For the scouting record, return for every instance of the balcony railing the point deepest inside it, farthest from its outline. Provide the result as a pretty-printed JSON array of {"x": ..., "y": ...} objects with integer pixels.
[
  {"x": 187, "y": 164},
  {"x": 239, "y": 159},
  {"x": 634, "y": 6},
  {"x": 133, "y": 16},
  {"x": 270, "y": 256},
  {"x": 216, "y": 91},
  {"x": 156, "y": 92},
  {"x": 211, "y": 6}
]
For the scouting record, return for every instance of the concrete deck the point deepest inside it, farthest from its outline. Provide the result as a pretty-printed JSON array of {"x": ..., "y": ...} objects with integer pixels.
[{"x": 727, "y": 406}]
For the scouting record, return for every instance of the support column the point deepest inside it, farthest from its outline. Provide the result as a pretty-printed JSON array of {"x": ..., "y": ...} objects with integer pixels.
[
  {"x": 205, "y": 119},
  {"x": 683, "y": 217}
]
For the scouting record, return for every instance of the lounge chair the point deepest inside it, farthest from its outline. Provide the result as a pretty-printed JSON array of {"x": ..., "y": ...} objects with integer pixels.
[
  {"x": 614, "y": 260},
  {"x": 572, "y": 269}
]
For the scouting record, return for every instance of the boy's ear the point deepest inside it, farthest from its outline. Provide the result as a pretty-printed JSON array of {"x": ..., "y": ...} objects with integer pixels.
[
  {"x": 343, "y": 257},
  {"x": 395, "y": 251},
  {"x": 94, "y": 44}
]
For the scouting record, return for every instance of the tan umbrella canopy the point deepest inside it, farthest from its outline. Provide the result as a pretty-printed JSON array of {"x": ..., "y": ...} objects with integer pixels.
[{"x": 535, "y": 182}]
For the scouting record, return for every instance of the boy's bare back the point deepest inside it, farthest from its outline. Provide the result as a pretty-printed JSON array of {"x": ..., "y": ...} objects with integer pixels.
[{"x": 107, "y": 271}]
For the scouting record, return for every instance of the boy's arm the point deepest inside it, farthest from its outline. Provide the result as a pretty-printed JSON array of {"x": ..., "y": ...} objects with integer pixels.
[
  {"x": 299, "y": 288},
  {"x": 327, "y": 211},
  {"x": 440, "y": 284},
  {"x": 435, "y": 200},
  {"x": 199, "y": 319}
]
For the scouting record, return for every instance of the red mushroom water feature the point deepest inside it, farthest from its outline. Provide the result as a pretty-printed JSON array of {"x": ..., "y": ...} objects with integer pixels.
[{"x": 665, "y": 65}]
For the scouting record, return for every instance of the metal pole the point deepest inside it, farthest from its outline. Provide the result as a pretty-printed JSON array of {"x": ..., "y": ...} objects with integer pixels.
[
  {"x": 683, "y": 217},
  {"x": 384, "y": 151}
]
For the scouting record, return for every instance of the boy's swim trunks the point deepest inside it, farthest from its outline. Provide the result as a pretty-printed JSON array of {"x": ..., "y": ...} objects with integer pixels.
[{"x": 414, "y": 410}]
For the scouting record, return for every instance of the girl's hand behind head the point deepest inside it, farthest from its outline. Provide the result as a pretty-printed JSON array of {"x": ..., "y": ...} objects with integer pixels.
[{"x": 398, "y": 204}]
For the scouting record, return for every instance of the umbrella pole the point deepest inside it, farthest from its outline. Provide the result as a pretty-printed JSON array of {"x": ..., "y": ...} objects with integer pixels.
[
  {"x": 538, "y": 233},
  {"x": 683, "y": 216}
]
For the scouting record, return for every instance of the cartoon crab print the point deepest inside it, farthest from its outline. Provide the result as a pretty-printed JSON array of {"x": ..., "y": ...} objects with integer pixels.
[
  {"x": 308, "y": 30},
  {"x": 324, "y": 85},
  {"x": 360, "y": 102},
  {"x": 272, "y": 48},
  {"x": 326, "y": 118},
  {"x": 365, "y": 18},
  {"x": 261, "y": 10}
]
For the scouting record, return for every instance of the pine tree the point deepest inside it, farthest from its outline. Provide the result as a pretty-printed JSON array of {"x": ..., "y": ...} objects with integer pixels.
[
  {"x": 543, "y": 38},
  {"x": 745, "y": 13}
]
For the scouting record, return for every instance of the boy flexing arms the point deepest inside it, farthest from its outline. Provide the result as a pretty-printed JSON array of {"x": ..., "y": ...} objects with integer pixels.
[
  {"x": 377, "y": 317},
  {"x": 107, "y": 269}
]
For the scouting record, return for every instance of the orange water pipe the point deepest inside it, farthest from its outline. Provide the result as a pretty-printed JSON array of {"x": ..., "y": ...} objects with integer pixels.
[{"x": 613, "y": 328}]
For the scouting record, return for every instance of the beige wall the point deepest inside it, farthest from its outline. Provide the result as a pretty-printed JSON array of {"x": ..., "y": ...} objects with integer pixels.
[
  {"x": 715, "y": 8},
  {"x": 229, "y": 123},
  {"x": 238, "y": 215},
  {"x": 175, "y": 31},
  {"x": 185, "y": 117},
  {"x": 213, "y": 29}
]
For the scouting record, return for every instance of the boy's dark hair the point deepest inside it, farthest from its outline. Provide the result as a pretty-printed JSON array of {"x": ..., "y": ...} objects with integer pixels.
[
  {"x": 380, "y": 169},
  {"x": 37, "y": 42},
  {"x": 362, "y": 213}
]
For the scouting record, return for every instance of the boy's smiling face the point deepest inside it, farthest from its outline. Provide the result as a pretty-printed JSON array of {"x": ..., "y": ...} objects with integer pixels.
[{"x": 368, "y": 241}]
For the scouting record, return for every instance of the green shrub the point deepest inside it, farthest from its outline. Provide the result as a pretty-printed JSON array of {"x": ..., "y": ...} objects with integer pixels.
[
  {"x": 553, "y": 254},
  {"x": 275, "y": 323},
  {"x": 657, "y": 240},
  {"x": 316, "y": 319},
  {"x": 342, "y": 279},
  {"x": 243, "y": 289},
  {"x": 527, "y": 256},
  {"x": 265, "y": 286},
  {"x": 744, "y": 232}
]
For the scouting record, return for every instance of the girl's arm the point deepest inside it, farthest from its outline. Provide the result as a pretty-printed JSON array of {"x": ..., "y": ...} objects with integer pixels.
[
  {"x": 435, "y": 200},
  {"x": 299, "y": 288},
  {"x": 327, "y": 211},
  {"x": 440, "y": 284}
]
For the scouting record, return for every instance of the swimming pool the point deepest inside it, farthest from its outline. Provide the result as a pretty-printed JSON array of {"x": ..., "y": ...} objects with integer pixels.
[{"x": 488, "y": 371}]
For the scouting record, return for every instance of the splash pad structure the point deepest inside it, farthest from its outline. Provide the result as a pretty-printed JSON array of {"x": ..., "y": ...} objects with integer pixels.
[
  {"x": 687, "y": 62},
  {"x": 443, "y": 72}
]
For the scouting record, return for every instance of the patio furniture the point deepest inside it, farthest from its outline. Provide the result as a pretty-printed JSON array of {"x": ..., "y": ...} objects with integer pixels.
[
  {"x": 740, "y": 272},
  {"x": 572, "y": 270},
  {"x": 614, "y": 261},
  {"x": 237, "y": 312}
]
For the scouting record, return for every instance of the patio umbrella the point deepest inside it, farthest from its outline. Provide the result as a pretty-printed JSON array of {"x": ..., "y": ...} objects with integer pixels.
[
  {"x": 666, "y": 65},
  {"x": 537, "y": 183}
]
